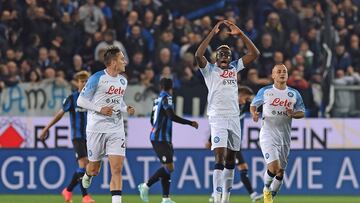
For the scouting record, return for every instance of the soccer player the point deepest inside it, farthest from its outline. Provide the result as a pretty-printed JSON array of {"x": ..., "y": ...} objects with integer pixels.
[
  {"x": 78, "y": 136},
  {"x": 103, "y": 96},
  {"x": 280, "y": 105},
  {"x": 245, "y": 94},
  {"x": 161, "y": 140},
  {"x": 223, "y": 106}
]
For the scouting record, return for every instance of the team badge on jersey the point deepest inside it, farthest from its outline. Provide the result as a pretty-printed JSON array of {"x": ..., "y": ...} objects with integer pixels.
[{"x": 122, "y": 81}]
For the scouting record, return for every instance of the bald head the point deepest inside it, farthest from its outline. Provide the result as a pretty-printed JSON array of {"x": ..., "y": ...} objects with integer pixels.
[{"x": 280, "y": 73}]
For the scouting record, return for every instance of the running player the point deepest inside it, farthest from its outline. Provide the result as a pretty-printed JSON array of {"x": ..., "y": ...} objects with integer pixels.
[
  {"x": 280, "y": 104},
  {"x": 161, "y": 140},
  {"x": 78, "y": 136},
  {"x": 103, "y": 96},
  {"x": 245, "y": 95},
  {"x": 223, "y": 106}
]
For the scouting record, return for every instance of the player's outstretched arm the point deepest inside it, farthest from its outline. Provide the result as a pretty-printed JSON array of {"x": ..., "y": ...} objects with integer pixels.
[
  {"x": 171, "y": 114},
  {"x": 44, "y": 132},
  {"x": 253, "y": 52},
  {"x": 199, "y": 54}
]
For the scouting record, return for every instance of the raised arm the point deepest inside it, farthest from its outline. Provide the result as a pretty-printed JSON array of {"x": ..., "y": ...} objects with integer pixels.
[
  {"x": 253, "y": 52},
  {"x": 199, "y": 54}
]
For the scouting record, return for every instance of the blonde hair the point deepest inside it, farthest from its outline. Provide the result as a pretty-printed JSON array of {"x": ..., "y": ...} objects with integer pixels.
[{"x": 82, "y": 75}]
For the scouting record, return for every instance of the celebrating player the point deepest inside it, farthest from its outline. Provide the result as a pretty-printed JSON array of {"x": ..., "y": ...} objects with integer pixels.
[
  {"x": 78, "y": 136},
  {"x": 161, "y": 140},
  {"x": 103, "y": 96},
  {"x": 245, "y": 95},
  {"x": 223, "y": 106},
  {"x": 280, "y": 105}
]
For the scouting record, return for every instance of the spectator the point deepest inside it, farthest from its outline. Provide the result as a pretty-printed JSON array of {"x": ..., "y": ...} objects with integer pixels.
[
  {"x": 109, "y": 39},
  {"x": 267, "y": 54},
  {"x": 92, "y": 17},
  {"x": 343, "y": 107},
  {"x": 274, "y": 28},
  {"x": 354, "y": 52},
  {"x": 341, "y": 58},
  {"x": 43, "y": 60}
]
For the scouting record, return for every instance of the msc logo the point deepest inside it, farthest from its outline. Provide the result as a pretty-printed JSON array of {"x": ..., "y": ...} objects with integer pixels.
[
  {"x": 216, "y": 139},
  {"x": 90, "y": 153},
  {"x": 290, "y": 94},
  {"x": 267, "y": 155},
  {"x": 113, "y": 101},
  {"x": 219, "y": 189},
  {"x": 229, "y": 82}
]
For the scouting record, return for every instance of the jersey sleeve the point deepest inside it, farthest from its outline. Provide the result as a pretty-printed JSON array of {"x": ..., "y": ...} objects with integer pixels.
[
  {"x": 237, "y": 64},
  {"x": 299, "y": 104},
  {"x": 259, "y": 98},
  {"x": 67, "y": 104},
  {"x": 167, "y": 103},
  {"x": 90, "y": 87},
  {"x": 207, "y": 69}
]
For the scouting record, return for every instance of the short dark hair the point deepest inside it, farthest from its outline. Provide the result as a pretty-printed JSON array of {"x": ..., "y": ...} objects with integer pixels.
[
  {"x": 110, "y": 53},
  {"x": 166, "y": 84},
  {"x": 245, "y": 90}
]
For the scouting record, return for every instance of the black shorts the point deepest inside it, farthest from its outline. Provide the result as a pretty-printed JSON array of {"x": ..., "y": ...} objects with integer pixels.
[
  {"x": 239, "y": 158},
  {"x": 80, "y": 148},
  {"x": 164, "y": 150}
]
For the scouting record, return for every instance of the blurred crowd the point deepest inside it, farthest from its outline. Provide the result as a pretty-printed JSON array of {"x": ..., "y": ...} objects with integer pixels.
[{"x": 48, "y": 39}]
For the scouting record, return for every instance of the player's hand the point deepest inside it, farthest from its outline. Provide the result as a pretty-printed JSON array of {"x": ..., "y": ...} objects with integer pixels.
[
  {"x": 234, "y": 30},
  {"x": 255, "y": 116},
  {"x": 130, "y": 110},
  {"x": 208, "y": 145},
  {"x": 216, "y": 28},
  {"x": 289, "y": 112},
  {"x": 106, "y": 111},
  {"x": 194, "y": 124},
  {"x": 44, "y": 134}
]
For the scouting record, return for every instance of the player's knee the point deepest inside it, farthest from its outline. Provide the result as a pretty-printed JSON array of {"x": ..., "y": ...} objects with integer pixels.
[{"x": 116, "y": 169}]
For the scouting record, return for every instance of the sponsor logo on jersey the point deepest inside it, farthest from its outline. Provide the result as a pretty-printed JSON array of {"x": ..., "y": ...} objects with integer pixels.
[
  {"x": 228, "y": 74},
  {"x": 115, "y": 90},
  {"x": 216, "y": 139},
  {"x": 113, "y": 101},
  {"x": 279, "y": 102},
  {"x": 267, "y": 155}
]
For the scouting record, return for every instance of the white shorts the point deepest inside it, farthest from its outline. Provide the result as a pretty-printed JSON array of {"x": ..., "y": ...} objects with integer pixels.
[
  {"x": 225, "y": 132},
  {"x": 101, "y": 144},
  {"x": 272, "y": 152}
]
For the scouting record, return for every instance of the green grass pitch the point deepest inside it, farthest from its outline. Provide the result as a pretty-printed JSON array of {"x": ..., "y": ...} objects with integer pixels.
[{"x": 178, "y": 198}]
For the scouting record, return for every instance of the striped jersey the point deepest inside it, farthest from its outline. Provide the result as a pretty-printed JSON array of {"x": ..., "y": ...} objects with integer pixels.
[
  {"x": 77, "y": 116},
  {"x": 161, "y": 123}
]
